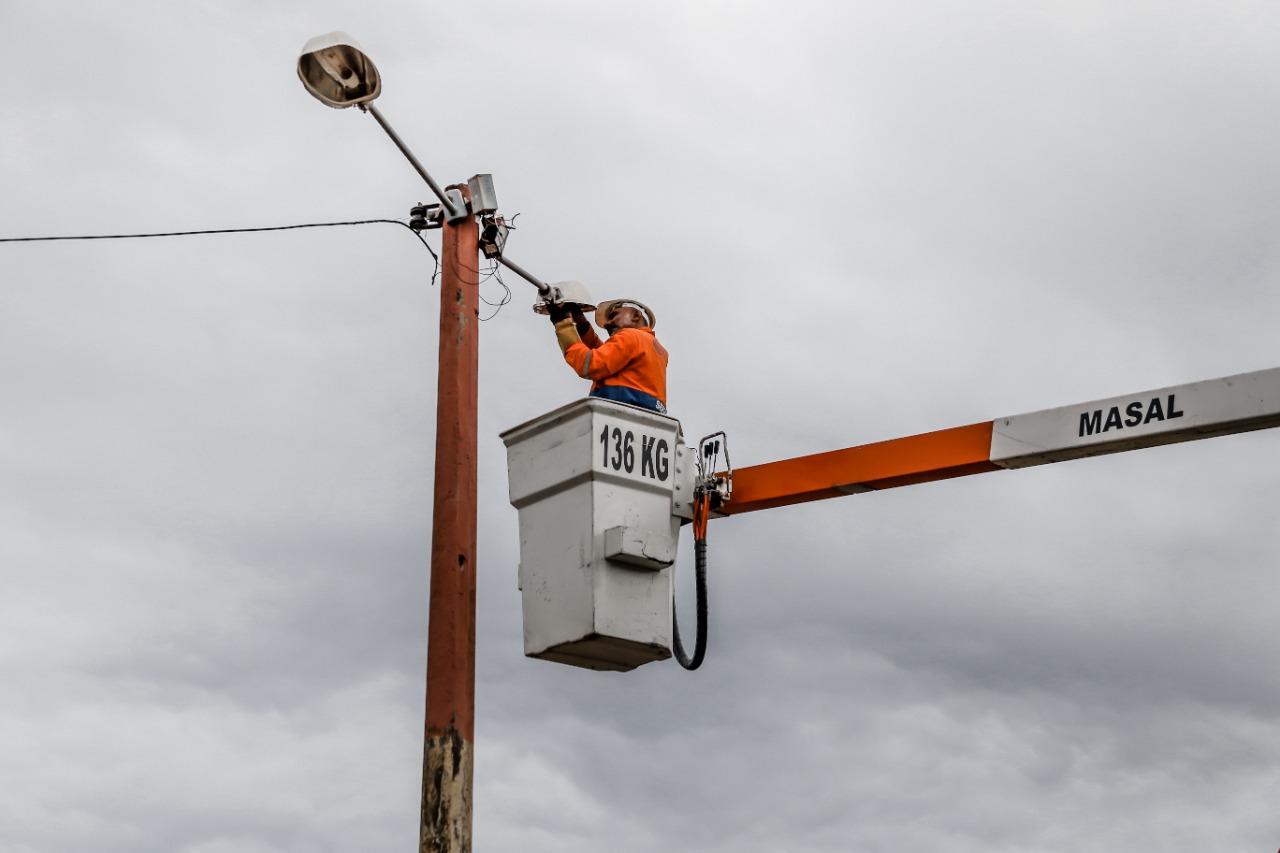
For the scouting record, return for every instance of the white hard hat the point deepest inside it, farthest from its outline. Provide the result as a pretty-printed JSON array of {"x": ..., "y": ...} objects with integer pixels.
[
  {"x": 602, "y": 312},
  {"x": 571, "y": 293}
]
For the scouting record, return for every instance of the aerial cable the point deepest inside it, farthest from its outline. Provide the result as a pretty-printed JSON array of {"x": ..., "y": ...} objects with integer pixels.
[
  {"x": 222, "y": 231},
  {"x": 492, "y": 273}
]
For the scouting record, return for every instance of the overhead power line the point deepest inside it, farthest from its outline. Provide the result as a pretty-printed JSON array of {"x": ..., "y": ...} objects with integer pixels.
[
  {"x": 492, "y": 273},
  {"x": 222, "y": 231}
]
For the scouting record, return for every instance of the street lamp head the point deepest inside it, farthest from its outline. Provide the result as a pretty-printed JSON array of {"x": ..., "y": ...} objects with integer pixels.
[{"x": 336, "y": 71}]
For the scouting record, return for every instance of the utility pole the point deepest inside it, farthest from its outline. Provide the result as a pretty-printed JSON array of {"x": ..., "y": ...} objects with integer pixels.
[
  {"x": 337, "y": 72},
  {"x": 451, "y": 630}
]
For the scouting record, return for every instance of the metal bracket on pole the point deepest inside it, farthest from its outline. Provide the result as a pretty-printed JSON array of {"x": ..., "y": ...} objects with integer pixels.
[
  {"x": 455, "y": 206},
  {"x": 422, "y": 217}
]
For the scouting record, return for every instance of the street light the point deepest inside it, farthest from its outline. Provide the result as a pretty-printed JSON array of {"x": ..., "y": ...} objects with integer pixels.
[
  {"x": 335, "y": 70},
  {"x": 338, "y": 74}
]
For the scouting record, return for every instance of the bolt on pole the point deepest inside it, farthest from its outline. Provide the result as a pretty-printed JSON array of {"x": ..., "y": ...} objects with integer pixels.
[{"x": 451, "y": 632}]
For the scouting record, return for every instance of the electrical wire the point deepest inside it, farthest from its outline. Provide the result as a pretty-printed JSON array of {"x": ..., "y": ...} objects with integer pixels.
[
  {"x": 496, "y": 275},
  {"x": 493, "y": 272},
  {"x": 227, "y": 231},
  {"x": 214, "y": 231}
]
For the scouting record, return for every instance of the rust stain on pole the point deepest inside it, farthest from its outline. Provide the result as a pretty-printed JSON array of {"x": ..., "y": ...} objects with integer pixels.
[{"x": 451, "y": 630}]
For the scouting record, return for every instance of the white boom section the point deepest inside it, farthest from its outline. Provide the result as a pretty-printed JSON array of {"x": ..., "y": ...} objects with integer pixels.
[{"x": 1240, "y": 403}]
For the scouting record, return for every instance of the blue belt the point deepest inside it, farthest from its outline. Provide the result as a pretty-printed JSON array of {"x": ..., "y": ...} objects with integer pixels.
[{"x": 622, "y": 394}]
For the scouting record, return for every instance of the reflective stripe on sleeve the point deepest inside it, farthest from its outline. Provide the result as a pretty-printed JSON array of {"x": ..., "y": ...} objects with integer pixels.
[{"x": 586, "y": 365}]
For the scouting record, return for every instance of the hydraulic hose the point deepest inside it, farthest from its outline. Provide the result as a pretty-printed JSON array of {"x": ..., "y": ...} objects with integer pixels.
[{"x": 701, "y": 512}]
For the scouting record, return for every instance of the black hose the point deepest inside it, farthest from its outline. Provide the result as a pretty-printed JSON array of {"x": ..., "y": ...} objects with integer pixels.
[{"x": 700, "y": 590}]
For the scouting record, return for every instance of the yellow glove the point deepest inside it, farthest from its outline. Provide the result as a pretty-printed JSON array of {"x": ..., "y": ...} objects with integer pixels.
[{"x": 566, "y": 334}]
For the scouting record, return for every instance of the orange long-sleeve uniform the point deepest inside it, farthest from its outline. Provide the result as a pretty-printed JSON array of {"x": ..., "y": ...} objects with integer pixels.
[{"x": 631, "y": 366}]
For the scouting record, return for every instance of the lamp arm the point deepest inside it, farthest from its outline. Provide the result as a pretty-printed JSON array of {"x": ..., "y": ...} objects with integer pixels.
[
  {"x": 544, "y": 289},
  {"x": 404, "y": 149}
]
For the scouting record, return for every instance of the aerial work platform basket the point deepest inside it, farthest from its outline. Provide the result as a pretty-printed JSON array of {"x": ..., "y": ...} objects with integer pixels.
[{"x": 601, "y": 489}]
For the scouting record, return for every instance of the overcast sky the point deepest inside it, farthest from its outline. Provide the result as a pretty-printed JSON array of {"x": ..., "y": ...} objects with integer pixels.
[{"x": 855, "y": 221}]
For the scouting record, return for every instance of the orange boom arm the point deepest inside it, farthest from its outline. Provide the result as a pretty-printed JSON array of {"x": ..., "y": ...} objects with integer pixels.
[
  {"x": 1241, "y": 403},
  {"x": 883, "y": 465}
]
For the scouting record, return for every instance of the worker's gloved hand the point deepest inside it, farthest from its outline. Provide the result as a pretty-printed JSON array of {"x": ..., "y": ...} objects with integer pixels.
[
  {"x": 580, "y": 322},
  {"x": 566, "y": 334},
  {"x": 557, "y": 311}
]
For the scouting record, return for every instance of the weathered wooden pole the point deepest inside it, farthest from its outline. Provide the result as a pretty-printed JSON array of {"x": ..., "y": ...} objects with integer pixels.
[
  {"x": 335, "y": 70},
  {"x": 451, "y": 631}
]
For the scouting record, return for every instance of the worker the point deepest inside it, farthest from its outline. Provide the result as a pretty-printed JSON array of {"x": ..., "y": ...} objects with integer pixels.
[{"x": 629, "y": 367}]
